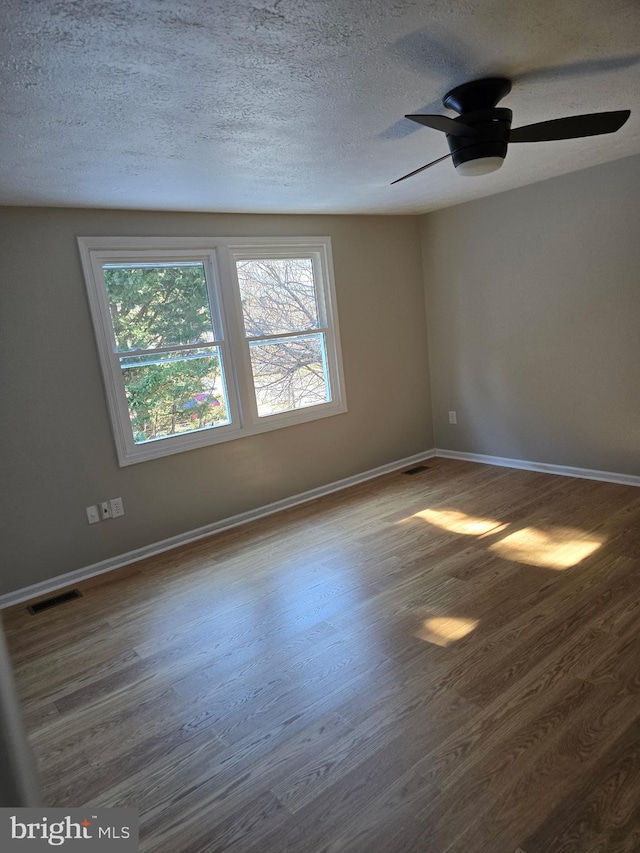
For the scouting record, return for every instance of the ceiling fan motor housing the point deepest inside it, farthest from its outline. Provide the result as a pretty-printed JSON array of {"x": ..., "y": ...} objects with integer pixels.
[{"x": 493, "y": 127}]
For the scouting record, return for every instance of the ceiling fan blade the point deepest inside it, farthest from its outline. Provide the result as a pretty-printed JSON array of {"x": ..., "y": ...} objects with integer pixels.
[
  {"x": 573, "y": 127},
  {"x": 421, "y": 169},
  {"x": 445, "y": 124}
]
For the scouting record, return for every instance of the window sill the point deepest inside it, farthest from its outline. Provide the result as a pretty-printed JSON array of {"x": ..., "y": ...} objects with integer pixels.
[{"x": 160, "y": 447}]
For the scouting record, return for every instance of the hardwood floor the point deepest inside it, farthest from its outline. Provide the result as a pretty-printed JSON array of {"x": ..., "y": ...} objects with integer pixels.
[{"x": 447, "y": 662}]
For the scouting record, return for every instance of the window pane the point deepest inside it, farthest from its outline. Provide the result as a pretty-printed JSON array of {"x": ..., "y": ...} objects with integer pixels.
[
  {"x": 174, "y": 393},
  {"x": 289, "y": 374},
  {"x": 278, "y": 295},
  {"x": 158, "y": 305}
]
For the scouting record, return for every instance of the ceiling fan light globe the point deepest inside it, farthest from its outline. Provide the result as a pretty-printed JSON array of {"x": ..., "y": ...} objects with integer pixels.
[{"x": 479, "y": 166}]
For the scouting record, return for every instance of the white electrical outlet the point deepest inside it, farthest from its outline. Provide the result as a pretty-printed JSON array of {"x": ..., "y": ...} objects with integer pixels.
[
  {"x": 117, "y": 507},
  {"x": 105, "y": 509},
  {"x": 92, "y": 514},
  {"x": 453, "y": 418}
]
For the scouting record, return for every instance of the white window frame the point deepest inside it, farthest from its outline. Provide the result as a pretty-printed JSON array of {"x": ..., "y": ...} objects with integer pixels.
[{"x": 219, "y": 257}]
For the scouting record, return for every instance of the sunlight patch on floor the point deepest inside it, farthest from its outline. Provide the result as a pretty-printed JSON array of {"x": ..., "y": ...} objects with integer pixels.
[
  {"x": 445, "y": 630},
  {"x": 559, "y": 548},
  {"x": 459, "y": 522}
]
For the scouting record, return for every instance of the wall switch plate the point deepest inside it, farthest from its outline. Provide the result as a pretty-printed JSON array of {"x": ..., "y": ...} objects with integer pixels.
[
  {"x": 453, "y": 418},
  {"x": 105, "y": 509},
  {"x": 92, "y": 514},
  {"x": 117, "y": 507}
]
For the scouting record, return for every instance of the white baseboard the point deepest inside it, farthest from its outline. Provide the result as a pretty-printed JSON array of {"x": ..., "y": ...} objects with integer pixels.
[
  {"x": 542, "y": 467},
  {"x": 38, "y": 590},
  {"x": 70, "y": 578}
]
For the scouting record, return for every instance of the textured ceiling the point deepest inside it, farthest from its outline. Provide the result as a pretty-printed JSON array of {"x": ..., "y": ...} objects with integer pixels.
[{"x": 293, "y": 105}]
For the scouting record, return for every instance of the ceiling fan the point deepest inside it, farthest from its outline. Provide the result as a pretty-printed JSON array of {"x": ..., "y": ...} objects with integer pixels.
[{"x": 479, "y": 136}]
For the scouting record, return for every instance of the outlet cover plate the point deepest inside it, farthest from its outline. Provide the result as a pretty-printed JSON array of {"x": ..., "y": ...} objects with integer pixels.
[
  {"x": 117, "y": 507},
  {"x": 92, "y": 514}
]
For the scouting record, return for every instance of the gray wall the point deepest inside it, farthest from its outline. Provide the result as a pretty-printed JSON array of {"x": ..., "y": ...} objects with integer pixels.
[
  {"x": 533, "y": 312},
  {"x": 57, "y": 450},
  {"x": 533, "y": 307}
]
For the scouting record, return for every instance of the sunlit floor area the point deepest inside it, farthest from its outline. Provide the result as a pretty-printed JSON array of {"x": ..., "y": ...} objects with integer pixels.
[{"x": 447, "y": 662}]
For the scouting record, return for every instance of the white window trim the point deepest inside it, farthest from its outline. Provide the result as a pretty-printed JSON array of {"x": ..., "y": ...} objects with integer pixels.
[{"x": 219, "y": 255}]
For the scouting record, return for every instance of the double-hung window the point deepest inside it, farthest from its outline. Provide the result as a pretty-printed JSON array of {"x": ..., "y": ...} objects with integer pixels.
[{"x": 202, "y": 341}]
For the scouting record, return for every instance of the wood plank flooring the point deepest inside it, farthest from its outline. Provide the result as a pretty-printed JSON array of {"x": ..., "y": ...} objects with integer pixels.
[{"x": 447, "y": 662}]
